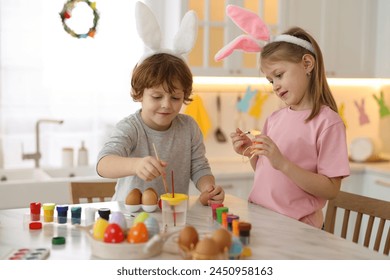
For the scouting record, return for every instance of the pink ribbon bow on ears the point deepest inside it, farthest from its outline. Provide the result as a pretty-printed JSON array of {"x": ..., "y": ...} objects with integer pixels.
[{"x": 249, "y": 22}]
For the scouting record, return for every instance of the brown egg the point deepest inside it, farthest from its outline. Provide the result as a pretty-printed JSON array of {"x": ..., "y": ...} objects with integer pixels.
[
  {"x": 133, "y": 197},
  {"x": 188, "y": 238},
  {"x": 149, "y": 197},
  {"x": 223, "y": 238},
  {"x": 206, "y": 249}
]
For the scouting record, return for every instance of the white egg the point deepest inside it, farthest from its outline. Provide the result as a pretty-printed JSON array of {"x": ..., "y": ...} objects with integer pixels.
[{"x": 118, "y": 218}]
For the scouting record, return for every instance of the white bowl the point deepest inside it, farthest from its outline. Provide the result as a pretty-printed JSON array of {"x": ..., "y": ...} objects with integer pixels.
[{"x": 125, "y": 250}]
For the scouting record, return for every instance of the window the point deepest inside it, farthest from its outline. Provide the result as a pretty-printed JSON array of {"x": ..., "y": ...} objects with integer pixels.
[{"x": 46, "y": 73}]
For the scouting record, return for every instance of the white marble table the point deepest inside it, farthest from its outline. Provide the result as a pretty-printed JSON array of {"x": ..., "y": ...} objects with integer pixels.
[{"x": 273, "y": 236}]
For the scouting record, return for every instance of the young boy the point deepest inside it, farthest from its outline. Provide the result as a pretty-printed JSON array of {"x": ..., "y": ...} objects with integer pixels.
[{"x": 162, "y": 83}]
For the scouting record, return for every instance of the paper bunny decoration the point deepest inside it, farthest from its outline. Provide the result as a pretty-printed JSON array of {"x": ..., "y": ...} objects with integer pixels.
[
  {"x": 249, "y": 22},
  {"x": 243, "y": 105},
  {"x": 363, "y": 117},
  {"x": 149, "y": 31},
  {"x": 383, "y": 109},
  {"x": 342, "y": 114}
]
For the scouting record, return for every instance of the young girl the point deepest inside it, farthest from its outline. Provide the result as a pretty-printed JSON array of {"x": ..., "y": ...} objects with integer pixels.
[
  {"x": 162, "y": 82},
  {"x": 301, "y": 155}
]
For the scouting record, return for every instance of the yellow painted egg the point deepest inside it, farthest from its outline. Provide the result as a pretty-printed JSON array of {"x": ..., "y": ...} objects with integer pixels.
[
  {"x": 149, "y": 197},
  {"x": 99, "y": 229},
  {"x": 138, "y": 234},
  {"x": 133, "y": 197}
]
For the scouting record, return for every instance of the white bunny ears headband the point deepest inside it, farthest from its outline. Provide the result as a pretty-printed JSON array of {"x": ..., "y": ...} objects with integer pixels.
[
  {"x": 149, "y": 30},
  {"x": 258, "y": 34}
]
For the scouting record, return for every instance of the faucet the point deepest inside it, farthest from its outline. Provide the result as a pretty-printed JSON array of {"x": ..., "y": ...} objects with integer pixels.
[{"x": 37, "y": 155}]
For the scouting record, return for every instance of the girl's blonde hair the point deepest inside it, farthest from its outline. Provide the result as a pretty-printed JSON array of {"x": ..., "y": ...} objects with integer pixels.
[
  {"x": 318, "y": 85},
  {"x": 162, "y": 69}
]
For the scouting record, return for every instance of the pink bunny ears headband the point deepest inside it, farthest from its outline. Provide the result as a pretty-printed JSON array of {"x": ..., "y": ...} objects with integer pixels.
[
  {"x": 258, "y": 34},
  {"x": 149, "y": 31}
]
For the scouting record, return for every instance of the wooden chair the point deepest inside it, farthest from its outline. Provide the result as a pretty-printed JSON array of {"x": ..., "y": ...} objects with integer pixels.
[
  {"x": 91, "y": 191},
  {"x": 364, "y": 207}
]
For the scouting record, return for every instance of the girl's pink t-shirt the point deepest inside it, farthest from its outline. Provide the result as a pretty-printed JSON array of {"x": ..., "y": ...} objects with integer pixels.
[{"x": 318, "y": 146}]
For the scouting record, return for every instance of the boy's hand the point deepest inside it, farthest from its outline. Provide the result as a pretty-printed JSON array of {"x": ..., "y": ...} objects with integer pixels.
[
  {"x": 214, "y": 194},
  {"x": 149, "y": 168}
]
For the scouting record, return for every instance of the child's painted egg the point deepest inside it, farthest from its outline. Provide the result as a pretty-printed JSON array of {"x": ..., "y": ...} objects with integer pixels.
[
  {"x": 235, "y": 248},
  {"x": 99, "y": 228},
  {"x": 113, "y": 234},
  {"x": 152, "y": 226},
  {"x": 118, "y": 218},
  {"x": 141, "y": 217},
  {"x": 138, "y": 234}
]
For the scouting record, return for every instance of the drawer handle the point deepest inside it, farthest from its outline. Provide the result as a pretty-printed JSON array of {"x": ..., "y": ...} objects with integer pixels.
[
  {"x": 382, "y": 183},
  {"x": 230, "y": 186}
]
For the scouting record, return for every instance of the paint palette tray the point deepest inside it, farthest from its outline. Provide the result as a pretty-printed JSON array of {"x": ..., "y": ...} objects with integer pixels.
[{"x": 29, "y": 254}]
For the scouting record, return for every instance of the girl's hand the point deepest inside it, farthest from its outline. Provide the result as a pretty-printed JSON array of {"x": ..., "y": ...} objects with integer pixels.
[
  {"x": 241, "y": 142},
  {"x": 264, "y": 146},
  {"x": 214, "y": 194},
  {"x": 149, "y": 168}
]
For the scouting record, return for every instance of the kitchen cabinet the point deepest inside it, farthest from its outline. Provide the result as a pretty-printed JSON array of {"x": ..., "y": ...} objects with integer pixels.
[
  {"x": 377, "y": 185},
  {"x": 345, "y": 31},
  {"x": 353, "y": 183},
  {"x": 216, "y": 30},
  {"x": 239, "y": 187},
  {"x": 383, "y": 40}
]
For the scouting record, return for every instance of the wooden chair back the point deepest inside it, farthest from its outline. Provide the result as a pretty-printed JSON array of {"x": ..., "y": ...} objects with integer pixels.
[
  {"x": 91, "y": 191},
  {"x": 373, "y": 209}
]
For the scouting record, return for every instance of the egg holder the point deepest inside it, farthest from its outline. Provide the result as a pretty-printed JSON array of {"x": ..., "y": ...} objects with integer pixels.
[{"x": 139, "y": 207}]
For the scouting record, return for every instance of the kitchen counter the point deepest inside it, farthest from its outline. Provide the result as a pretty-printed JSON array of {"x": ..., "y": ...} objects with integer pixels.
[{"x": 273, "y": 236}]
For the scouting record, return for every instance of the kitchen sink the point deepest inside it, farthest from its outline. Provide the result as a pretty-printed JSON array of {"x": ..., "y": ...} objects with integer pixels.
[
  {"x": 69, "y": 172},
  {"x": 27, "y": 174}
]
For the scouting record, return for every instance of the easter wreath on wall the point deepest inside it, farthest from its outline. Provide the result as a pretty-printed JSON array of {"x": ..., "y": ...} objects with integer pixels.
[{"x": 66, "y": 14}]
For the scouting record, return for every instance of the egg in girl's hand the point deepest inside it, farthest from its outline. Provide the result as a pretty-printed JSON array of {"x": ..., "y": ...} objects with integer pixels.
[{"x": 138, "y": 233}]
